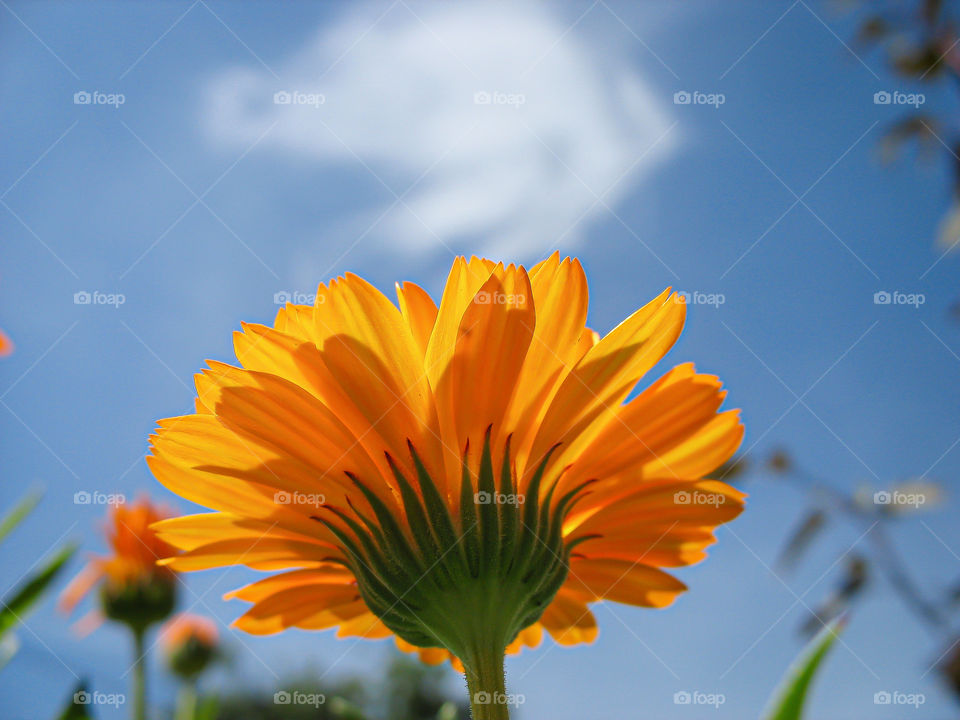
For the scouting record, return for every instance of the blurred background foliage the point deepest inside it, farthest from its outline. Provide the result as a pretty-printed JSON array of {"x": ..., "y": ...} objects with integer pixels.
[{"x": 919, "y": 41}]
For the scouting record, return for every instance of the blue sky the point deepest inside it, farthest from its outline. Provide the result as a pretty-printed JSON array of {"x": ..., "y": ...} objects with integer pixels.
[{"x": 198, "y": 198}]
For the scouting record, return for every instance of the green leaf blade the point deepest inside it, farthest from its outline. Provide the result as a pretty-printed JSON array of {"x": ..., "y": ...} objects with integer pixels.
[
  {"x": 790, "y": 696},
  {"x": 19, "y": 602},
  {"x": 17, "y": 515}
]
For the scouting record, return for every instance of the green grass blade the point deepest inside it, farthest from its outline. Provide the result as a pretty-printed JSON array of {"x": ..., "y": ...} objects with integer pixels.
[
  {"x": 788, "y": 700},
  {"x": 22, "y": 598},
  {"x": 16, "y": 516}
]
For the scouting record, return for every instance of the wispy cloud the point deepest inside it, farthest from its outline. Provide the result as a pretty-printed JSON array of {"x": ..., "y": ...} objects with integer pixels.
[{"x": 495, "y": 127}]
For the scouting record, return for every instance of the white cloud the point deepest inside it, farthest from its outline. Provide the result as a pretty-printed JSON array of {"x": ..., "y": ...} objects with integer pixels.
[{"x": 567, "y": 118}]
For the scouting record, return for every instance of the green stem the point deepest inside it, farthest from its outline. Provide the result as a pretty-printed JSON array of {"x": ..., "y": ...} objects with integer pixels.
[
  {"x": 187, "y": 701},
  {"x": 139, "y": 675},
  {"x": 487, "y": 686}
]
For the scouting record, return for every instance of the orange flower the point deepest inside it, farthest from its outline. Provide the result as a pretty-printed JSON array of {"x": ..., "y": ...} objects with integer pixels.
[
  {"x": 187, "y": 627},
  {"x": 190, "y": 643},
  {"x": 460, "y": 476},
  {"x": 6, "y": 344},
  {"x": 135, "y": 589}
]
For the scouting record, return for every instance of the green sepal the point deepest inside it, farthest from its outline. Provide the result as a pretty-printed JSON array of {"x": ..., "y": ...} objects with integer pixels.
[
  {"x": 376, "y": 559},
  {"x": 489, "y": 520},
  {"x": 392, "y": 533},
  {"x": 437, "y": 509},
  {"x": 469, "y": 540},
  {"x": 508, "y": 515},
  {"x": 419, "y": 525},
  {"x": 531, "y": 509}
]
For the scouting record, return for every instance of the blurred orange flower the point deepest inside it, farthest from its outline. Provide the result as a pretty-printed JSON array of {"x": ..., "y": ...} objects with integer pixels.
[
  {"x": 186, "y": 627},
  {"x": 129, "y": 575},
  {"x": 190, "y": 643},
  {"x": 6, "y": 344}
]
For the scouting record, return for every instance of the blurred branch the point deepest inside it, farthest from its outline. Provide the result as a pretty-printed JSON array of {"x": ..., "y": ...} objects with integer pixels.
[{"x": 873, "y": 517}]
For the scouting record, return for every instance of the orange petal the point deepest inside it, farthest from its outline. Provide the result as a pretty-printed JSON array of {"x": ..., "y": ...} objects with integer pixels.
[
  {"x": 494, "y": 335},
  {"x": 288, "y": 608},
  {"x": 419, "y": 311},
  {"x": 560, "y": 297},
  {"x": 622, "y": 581},
  {"x": 262, "y": 553},
  {"x": 78, "y": 588},
  {"x": 589, "y": 396},
  {"x": 568, "y": 620}
]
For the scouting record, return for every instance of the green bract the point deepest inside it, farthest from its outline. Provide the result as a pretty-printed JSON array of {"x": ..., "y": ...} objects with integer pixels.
[{"x": 468, "y": 584}]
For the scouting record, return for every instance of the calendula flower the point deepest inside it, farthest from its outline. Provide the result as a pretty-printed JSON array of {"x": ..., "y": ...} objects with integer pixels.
[
  {"x": 6, "y": 344},
  {"x": 462, "y": 477},
  {"x": 134, "y": 590},
  {"x": 190, "y": 643}
]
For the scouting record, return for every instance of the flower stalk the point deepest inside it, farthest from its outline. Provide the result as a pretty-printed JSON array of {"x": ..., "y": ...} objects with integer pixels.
[
  {"x": 486, "y": 685},
  {"x": 139, "y": 674}
]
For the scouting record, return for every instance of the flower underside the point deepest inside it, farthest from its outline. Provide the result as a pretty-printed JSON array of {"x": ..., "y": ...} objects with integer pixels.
[
  {"x": 465, "y": 583},
  {"x": 331, "y": 458}
]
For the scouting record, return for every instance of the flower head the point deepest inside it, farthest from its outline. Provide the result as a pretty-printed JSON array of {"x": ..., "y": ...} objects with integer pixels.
[
  {"x": 134, "y": 589},
  {"x": 459, "y": 476},
  {"x": 190, "y": 643}
]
